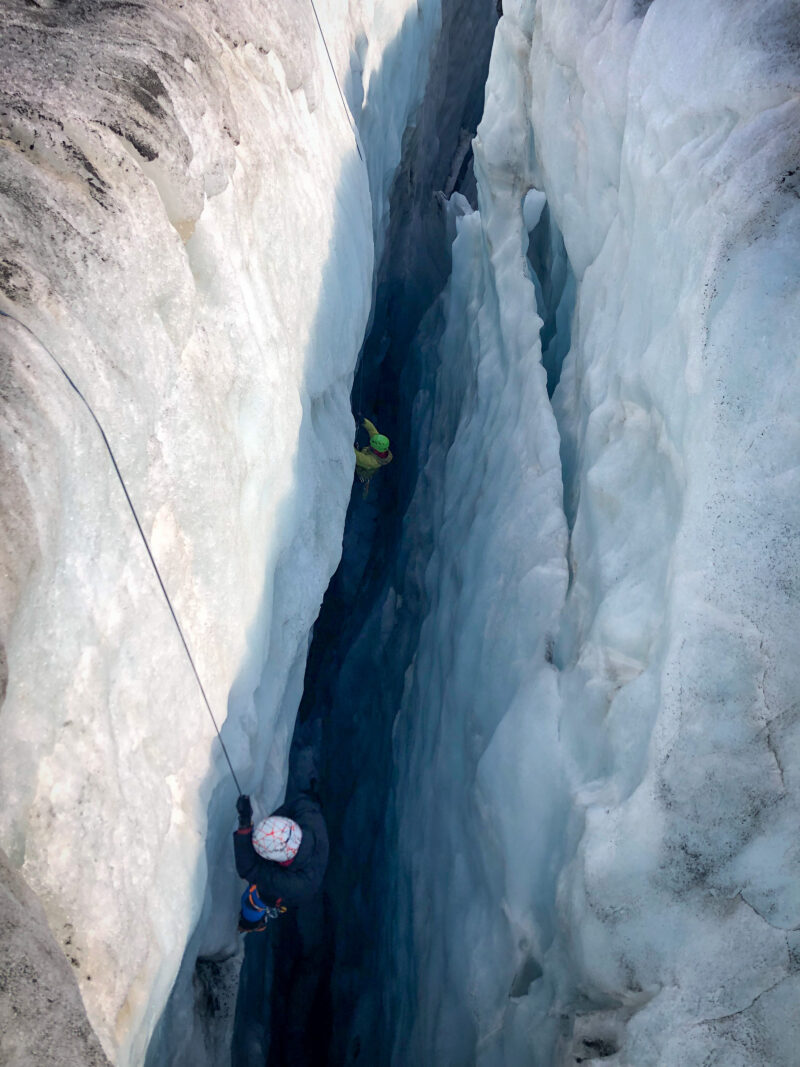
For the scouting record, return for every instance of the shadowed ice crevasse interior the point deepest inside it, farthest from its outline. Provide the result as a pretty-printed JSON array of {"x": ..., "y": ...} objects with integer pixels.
[
  {"x": 551, "y": 688},
  {"x": 552, "y": 692},
  {"x": 197, "y": 1021}
]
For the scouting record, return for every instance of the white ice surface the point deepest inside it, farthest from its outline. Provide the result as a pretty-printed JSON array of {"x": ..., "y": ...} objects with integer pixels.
[
  {"x": 623, "y": 818},
  {"x": 621, "y": 821},
  {"x": 188, "y": 227}
]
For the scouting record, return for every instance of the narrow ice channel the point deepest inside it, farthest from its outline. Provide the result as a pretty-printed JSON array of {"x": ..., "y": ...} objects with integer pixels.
[
  {"x": 414, "y": 268},
  {"x": 318, "y": 981},
  {"x": 551, "y": 699},
  {"x": 548, "y": 719}
]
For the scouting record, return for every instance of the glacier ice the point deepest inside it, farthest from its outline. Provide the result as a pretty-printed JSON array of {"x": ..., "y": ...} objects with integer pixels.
[
  {"x": 575, "y": 689},
  {"x": 63, "y": 1036},
  {"x": 665, "y": 166},
  {"x": 188, "y": 227},
  {"x": 584, "y": 642}
]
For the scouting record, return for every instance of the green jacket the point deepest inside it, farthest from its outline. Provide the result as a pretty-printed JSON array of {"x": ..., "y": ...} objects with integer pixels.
[{"x": 367, "y": 462}]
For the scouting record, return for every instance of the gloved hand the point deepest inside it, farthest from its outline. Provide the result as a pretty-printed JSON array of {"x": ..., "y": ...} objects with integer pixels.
[{"x": 245, "y": 809}]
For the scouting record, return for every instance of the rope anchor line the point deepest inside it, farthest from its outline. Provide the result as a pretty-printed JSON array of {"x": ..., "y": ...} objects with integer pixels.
[
  {"x": 118, "y": 472},
  {"x": 336, "y": 79},
  {"x": 145, "y": 542}
]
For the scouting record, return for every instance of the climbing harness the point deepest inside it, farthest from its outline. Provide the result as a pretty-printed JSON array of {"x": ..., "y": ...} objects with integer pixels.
[
  {"x": 97, "y": 422},
  {"x": 252, "y": 912},
  {"x": 254, "y": 908},
  {"x": 255, "y": 913},
  {"x": 336, "y": 79}
]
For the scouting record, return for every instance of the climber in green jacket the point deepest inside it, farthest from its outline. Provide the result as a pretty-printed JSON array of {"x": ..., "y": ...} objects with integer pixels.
[{"x": 373, "y": 457}]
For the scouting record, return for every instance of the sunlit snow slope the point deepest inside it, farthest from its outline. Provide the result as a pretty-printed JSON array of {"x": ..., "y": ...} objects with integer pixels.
[
  {"x": 187, "y": 226},
  {"x": 598, "y": 746}
]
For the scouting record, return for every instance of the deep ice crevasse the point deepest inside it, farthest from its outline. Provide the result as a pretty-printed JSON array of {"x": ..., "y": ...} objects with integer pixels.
[
  {"x": 600, "y": 730},
  {"x": 628, "y": 819},
  {"x": 186, "y": 223}
]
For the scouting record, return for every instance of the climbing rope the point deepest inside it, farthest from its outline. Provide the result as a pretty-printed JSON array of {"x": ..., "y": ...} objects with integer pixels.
[
  {"x": 360, "y": 408},
  {"x": 139, "y": 528},
  {"x": 336, "y": 79},
  {"x": 355, "y": 137}
]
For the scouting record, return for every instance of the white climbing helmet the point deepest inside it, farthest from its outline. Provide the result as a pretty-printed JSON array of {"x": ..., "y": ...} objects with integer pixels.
[{"x": 277, "y": 838}]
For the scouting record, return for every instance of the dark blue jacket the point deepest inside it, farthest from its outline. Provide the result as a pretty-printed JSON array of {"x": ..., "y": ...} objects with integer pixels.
[{"x": 301, "y": 880}]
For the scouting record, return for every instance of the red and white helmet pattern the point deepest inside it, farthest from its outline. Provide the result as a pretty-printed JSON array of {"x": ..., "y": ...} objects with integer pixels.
[{"x": 277, "y": 838}]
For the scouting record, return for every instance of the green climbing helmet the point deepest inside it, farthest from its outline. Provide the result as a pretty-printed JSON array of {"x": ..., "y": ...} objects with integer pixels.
[{"x": 379, "y": 443}]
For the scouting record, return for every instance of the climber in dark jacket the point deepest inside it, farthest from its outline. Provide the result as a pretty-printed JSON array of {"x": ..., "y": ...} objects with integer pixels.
[{"x": 283, "y": 859}]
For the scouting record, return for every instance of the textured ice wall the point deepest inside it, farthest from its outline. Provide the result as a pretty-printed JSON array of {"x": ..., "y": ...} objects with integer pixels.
[
  {"x": 597, "y": 801},
  {"x": 476, "y": 739},
  {"x": 355, "y": 675},
  {"x": 187, "y": 226},
  {"x": 42, "y": 1017},
  {"x": 677, "y": 194}
]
